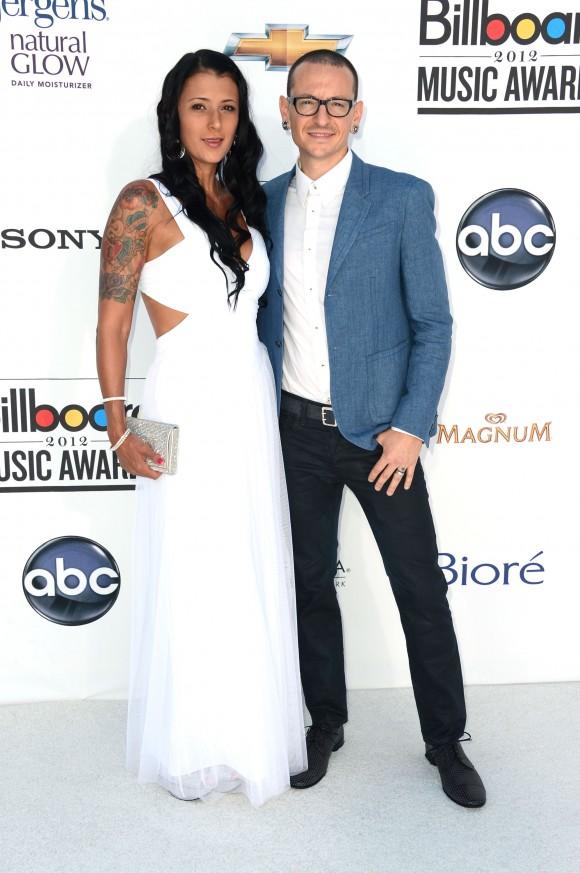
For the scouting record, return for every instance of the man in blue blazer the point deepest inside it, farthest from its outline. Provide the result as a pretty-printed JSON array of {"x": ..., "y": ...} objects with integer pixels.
[{"x": 357, "y": 325}]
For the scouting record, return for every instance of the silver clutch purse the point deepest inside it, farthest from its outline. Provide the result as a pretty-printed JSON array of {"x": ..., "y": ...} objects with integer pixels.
[{"x": 163, "y": 439}]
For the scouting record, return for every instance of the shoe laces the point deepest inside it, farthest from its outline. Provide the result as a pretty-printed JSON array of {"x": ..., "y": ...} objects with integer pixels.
[
  {"x": 464, "y": 738},
  {"x": 315, "y": 736}
]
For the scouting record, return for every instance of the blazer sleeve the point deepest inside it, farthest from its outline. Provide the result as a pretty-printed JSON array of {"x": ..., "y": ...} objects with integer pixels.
[{"x": 427, "y": 305}]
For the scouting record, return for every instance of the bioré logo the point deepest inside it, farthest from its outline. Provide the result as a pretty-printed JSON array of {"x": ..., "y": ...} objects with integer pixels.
[{"x": 465, "y": 571}]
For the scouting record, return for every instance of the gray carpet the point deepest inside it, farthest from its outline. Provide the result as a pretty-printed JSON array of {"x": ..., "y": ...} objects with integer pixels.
[{"x": 68, "y": 806}]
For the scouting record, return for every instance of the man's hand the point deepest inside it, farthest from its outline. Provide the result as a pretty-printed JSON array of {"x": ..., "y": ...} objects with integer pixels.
[{"x": 400, "y": 450}]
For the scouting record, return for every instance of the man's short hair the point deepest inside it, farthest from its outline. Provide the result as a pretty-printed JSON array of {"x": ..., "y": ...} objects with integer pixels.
[{"x": 323, "y": 56}]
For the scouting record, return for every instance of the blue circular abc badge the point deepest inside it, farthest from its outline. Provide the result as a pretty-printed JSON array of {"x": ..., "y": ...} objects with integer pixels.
[
  {"x": 506, "y": 239},
  {"x": 71, "y": 580}
]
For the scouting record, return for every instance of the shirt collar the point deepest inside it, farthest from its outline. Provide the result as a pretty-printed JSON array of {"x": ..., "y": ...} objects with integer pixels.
[{"x": 328, "y": 186}]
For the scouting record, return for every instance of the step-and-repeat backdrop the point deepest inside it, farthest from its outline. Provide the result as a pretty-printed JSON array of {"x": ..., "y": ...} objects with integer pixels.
[{"x": 480, "y": 97}]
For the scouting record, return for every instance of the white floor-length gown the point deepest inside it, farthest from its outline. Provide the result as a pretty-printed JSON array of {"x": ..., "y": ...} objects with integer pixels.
[{"x": 215, "y": 701}]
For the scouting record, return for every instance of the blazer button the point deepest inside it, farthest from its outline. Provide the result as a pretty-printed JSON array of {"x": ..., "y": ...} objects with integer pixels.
[
  {"x": 278, "y": 343},
  {"x": 279, "y": 290}
]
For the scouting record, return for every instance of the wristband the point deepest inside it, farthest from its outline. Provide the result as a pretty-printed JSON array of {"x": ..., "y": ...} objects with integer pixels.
[{"x": 121, "y": 440}]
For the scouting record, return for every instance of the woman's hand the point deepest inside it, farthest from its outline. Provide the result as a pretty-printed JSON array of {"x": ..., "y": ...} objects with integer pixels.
[{"x": 133, "y": 455}]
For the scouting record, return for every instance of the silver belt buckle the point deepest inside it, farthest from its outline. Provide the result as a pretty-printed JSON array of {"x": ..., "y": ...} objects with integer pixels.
[{"x": 327, "y": 410}]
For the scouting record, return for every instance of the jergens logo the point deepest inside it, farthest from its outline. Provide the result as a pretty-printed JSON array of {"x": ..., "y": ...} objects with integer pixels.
[
  {"x": 45, "y": 12},
  {"x": 495, "y": 430}
]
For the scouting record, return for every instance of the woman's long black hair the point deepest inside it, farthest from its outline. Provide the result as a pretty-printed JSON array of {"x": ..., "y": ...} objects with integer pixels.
[{"x": 237, "y": 172}]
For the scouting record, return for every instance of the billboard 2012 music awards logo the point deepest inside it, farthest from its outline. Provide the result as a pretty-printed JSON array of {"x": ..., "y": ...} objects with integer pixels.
[
  {"x": 506, "y": 239},
  {"x": 51, "y": 442},
  {"x": 71, "y": 580},
  {"x": 475, "y": 58},
  {"x": 43, "y": 58}
]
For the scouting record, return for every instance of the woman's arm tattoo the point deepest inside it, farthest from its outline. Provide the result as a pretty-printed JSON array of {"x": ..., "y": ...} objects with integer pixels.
[{"x": 123, "y": 251}]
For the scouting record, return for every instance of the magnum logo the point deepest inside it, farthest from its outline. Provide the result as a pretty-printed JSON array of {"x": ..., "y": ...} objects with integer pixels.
[
  {"x": 496, "y": 431},
  {"x": 281, "y": 45}
]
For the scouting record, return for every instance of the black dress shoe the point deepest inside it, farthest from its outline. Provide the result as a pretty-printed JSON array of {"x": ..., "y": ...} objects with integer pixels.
[
  {"x": 460, "y": 780},
  {"x": 321, "y": 742}
]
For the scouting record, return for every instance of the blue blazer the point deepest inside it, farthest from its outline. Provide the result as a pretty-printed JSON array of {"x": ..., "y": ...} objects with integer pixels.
[{"x": 387, "y": 314}]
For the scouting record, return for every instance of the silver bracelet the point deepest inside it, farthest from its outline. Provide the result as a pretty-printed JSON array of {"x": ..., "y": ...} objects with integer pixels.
[
  {"x": 121, "y": 440},
  {"x": 106, "y": 399}
]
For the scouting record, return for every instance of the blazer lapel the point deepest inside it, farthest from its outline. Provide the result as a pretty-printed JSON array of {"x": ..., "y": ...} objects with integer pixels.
[
  {"x": 277, "y": 209},
  {"x": 353, "y": 211}
]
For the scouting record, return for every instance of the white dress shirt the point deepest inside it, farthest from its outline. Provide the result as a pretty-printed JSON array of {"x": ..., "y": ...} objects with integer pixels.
[{"x": 310, "y": 219}]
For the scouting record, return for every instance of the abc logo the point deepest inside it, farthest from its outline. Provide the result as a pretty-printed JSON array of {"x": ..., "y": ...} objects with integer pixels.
[
  {"x": 506, "y": 239},
  {"x": 71, "y": 580}
]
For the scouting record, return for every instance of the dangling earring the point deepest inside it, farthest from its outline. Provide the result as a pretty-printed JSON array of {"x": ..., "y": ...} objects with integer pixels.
[
  {"x": 285, "y": 125},
  {"x": 355, "y": 128},
  {"x": 179, "y": 155},
  {"x": 233, "y": 145}
]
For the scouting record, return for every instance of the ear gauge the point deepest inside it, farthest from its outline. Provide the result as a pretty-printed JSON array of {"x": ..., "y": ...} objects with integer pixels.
[{"x": 285, "y": 125}]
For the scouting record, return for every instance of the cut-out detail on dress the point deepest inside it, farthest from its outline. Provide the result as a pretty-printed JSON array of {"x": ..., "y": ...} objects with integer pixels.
[{"x": 169, "y": 311}]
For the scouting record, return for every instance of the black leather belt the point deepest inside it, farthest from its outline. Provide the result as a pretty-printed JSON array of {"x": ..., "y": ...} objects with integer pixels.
[{"x": 308, "y": 409}]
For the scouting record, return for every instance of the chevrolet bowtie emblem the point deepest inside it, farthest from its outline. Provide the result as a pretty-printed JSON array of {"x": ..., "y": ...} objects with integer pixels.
[{"x": 282, "y": 45}]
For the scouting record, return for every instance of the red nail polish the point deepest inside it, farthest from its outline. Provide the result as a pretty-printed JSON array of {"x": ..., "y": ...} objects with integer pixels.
[{"x": 159, "y": 460}]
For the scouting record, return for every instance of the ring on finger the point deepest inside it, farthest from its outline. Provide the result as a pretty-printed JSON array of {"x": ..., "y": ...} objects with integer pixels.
[{"x": 400, "y": 471}]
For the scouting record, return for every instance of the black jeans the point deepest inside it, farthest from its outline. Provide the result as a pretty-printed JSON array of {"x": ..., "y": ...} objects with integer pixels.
[{"x": 319, "y": 462}]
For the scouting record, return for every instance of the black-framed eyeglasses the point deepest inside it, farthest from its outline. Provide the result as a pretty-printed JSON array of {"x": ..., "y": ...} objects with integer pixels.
[{"x": 338, "y": 107}]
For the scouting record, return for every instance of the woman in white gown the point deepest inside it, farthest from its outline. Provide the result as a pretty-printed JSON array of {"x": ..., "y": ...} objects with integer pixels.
[{"x": 215, "y": 702}]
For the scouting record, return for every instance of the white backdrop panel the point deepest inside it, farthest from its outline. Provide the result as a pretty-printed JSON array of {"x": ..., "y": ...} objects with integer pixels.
[{"x": 66, "y": 153}]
